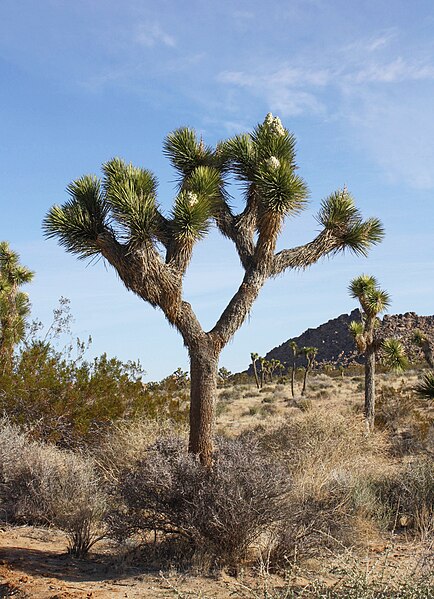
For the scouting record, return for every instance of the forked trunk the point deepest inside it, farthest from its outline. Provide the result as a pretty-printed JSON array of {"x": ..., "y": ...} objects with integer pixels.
[
  {"x": 203, "y": 387},
  {"x": 370, "y": 388}
]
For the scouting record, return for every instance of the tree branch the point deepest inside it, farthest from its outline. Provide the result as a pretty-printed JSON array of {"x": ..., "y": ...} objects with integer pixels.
[
  {"x": 240, "y": 229},
  {"x": 238, "y": 308},
  {"x": 305, "y": 255}
]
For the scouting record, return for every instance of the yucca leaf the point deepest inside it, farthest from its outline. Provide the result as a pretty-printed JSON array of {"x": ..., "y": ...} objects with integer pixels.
[
  {"x": 185, "y": 152},
  {"x": 272, "y": 139},
  {"x": 205, "y": 182},
  {"x": 426, "y": 388},
  {"x": 393, "y": 355},
  {"x": 362, "y": 285},
  {"x": 376, "y": 301},
  {"x": 80, "y": 220},
  {"x": 117, "y": 171},
  {"x": 240, "y": 153},
  {"x": 191, "y": 217},
  {"x": 339, "y": 215},
  {"x": 280, "y": 190}
]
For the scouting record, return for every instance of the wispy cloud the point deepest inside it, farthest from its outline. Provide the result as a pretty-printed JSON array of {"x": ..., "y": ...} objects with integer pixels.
[
  {"x": 361, "y": 87},
  {"x": 152, "y": 35},
  {"x": 396, "y": 71}
]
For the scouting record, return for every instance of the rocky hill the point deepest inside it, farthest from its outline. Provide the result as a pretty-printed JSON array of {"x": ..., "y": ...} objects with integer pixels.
[{"x": 336, "y": 345}]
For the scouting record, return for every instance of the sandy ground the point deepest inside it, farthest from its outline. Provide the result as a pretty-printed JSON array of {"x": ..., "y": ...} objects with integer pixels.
[{"x": 33, "y": 564}]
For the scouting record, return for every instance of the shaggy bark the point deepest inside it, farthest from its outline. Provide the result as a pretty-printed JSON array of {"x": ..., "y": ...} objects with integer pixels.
[{"x": 203, "y": 385}]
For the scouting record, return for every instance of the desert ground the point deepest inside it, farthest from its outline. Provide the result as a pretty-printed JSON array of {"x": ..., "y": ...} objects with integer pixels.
[{"x": 327, "y": 443}]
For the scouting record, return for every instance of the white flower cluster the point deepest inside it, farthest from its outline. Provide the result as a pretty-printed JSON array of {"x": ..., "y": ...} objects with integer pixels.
[
  {"x": 275, "y": 124},
  {"x": 192, "y": 198},
  {"x": 273, "y": 162}
]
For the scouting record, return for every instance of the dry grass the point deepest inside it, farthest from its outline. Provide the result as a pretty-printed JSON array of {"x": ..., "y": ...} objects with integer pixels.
[
  {"x": 348, "y": 491},
  {"x": 40, "y": 483}
]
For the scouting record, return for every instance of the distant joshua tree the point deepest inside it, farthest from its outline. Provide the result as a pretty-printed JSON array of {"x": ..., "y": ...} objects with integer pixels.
[
  {"x": 310, "y": 353},
  {"x": 255, "y": 357},
  {"x": 14, "y": 303},
  {"x": 373, "y": 301},
  {"x": 274, "y": 365},
  {"x": 119, "y": 219},
  {"x": 224, "y": 374}
]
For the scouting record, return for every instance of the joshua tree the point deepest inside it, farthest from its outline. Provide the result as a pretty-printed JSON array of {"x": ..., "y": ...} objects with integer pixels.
[
  {"x": 224, "y": 374},
  {"x": 373, "y": 301},
  {"x": 426, "y": 345},
  {"x": 294, "y": 348},
  {"x": 310, "y": 353},
  {"x": 14, "y": 303},
  {"x": 118, "y": 218},
  {"x": 255, "y": 357},
  {"x": 274, "y": 365}
]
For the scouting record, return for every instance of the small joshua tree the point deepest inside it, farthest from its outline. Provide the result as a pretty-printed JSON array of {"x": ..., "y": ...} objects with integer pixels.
[
  {"x": 255, "y": 357},
  {"x": 119, "y": 219},
  {"x": 310, "y": 353},
  {"x": 14, "y": 303},
  {"x": 274, "y": 365},
  {"x": 373, "y": 301}
]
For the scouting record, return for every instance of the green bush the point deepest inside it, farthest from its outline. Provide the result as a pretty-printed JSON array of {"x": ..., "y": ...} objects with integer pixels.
[{"x": 71, "y": 401}]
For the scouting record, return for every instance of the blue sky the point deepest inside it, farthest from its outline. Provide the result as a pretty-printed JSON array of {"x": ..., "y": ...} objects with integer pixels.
[{"x": 85, "y": 80}]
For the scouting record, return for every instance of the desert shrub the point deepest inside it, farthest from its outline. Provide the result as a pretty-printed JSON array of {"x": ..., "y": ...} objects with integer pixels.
[
  {"x": 220, "y": 511},
  {"x": 127, "y": 442},
  {"x": 303, "y": 404},
  {"x": 40, "y": 483},
  {"x": 253, "y": 392},
  {"x": 331, "y": 464},
  {"x": 409, "y": 496},
  {"x": 67, "y": 400}
]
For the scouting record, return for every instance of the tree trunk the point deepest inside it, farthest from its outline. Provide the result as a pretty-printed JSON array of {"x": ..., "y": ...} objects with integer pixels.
[
  {"x": 303, "y": 391},
  {"x": 255, "y": 372},
  {"x": 370, "y": 388},
  {"x": 203, "y": 386},
  {"x": 292, "y": 379}
]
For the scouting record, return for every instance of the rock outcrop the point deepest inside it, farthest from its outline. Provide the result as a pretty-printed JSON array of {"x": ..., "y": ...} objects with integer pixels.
[{"x": 336, "y": 345}]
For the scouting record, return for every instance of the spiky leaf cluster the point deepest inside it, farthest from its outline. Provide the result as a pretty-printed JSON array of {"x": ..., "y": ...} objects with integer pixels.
[
  {"x": 79, "y": 222},
  {"x": 339, "y": 215},
  {"x": 426, "y": 388},
  {"x": 265, "y": 161},
  {"x": 130, "y": 194},
  {"x": 372, "y": 299},
  {"x": 123, "y": 206},
  {"x": 393, "y": 355},
  {"x": 186, "y": 153}
]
